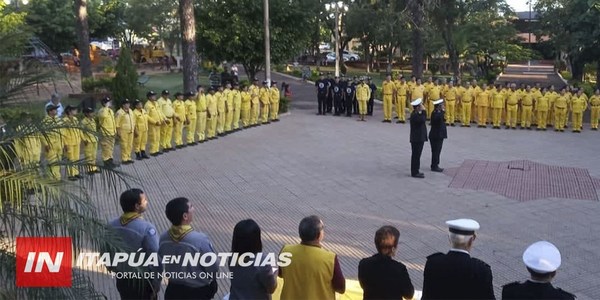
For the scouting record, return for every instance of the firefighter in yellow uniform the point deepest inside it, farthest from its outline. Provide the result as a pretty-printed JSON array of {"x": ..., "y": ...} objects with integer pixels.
[
  {"x": 108, "y": 130},
  {"x": 140, "y": 132},
  {"x": 435, "y": 93},
  {"x": 466, "y": 100},
  {"x": 166, "y": 130},
  {"x": 191, "y": 118},
  {"x": 578, "y": 107},
  {"x": 387, "y": 88},
  {"x": 255, "y": 103},
  {"x": 212, "y": 114},
  {"x": 246, "y": 106},
  {"x": 474, "y": 92},
  {"x": 401, "y": 93},
  {"x": 417, "y": 91},
  {"x": 274, "y": 100},
  {"x": 595, "y": 107},
  {"x": 29, "y": 146},
  {"x": 426, "y": 89},
  {"x": 560, "y": 111},
  {"x": 552, "y": 95},
  {"x": 363, "y": 93},
  {"x": 450, "y": 100},
  {"x": 90, "y": 140},
  {"x": 526, "y": 108},
  {"x": 125, "y": 128},
  {"x": 482, "y": 102},
  {"x": 569, "y": 95},
  {"x": 461, "y": 89},
  {"x": 497, "y": 104},
  {"x": 72, "y": 141},
  {"x": 221, "y": 111},
  {"x": 155, "y": 120},
  {"x": 542, "y": 105},
  {"x": 512, "y": 107},
  {"x": 537, "y": 94},
  {"x": 201, "y": 107},
  {"x": 228, "y": 95},
  {"x": 178, "y": 119},
  {"x": 53, "y": 141},
  {"x": 265, "y": 98},
  {"x": 237, "y": 106}
]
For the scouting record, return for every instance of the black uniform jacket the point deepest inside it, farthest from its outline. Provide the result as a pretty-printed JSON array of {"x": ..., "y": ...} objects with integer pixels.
[
  {"x": 438, "y": 126},
  {"x": 381, "y": 277},
  {"x": 456, "y": 275},
  {"x": 418, "y": 130},
  {"x": 534, "y": 290}
]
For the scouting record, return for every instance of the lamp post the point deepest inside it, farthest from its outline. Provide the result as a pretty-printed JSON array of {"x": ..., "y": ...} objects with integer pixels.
[
  {"x": 267, "y": 43},
  {"x": 529, "y": 30},
  {"x": 337, "y": 8}
]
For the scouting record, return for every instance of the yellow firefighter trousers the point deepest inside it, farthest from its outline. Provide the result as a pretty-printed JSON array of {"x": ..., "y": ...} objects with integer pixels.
[
  {"x": 139, "y": 142},
  {"x": 126, "y": 141},
  {"x": 191, "y": 131},
  {"x": 153, "y": 138},
  {"x": 178, "y": 133},
  {"x": 387, "y": 107},
  {"x": 166, "y": 134},
  {"x": 201, "y": 126},
  {"x": 90, "y": 153},
  {"x": 107, "y": 146}
]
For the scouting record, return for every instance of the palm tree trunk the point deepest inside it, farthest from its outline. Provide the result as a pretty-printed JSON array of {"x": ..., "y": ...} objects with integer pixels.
[
  {"x": 418, "y": 14},
  {"x": 188, "y": 43},
  {"x": 83, "y": 36}
]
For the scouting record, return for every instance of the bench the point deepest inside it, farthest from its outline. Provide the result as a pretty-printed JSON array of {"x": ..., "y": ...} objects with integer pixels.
[{"x": 143, "y": 79}]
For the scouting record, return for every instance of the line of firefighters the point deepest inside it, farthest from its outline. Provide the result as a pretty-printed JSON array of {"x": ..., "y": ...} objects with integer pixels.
[{"x": 158, "y": 124}]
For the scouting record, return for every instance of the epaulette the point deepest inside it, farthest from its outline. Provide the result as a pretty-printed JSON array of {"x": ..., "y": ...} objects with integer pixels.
[{"x": 434, "y": 255}]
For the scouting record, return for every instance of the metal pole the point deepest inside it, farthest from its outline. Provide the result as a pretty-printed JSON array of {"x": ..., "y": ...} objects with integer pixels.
[
  {"x": 529, "y": 27},
  {"x": 337, "y": 42},
  {"x": 267, "y": 43}
]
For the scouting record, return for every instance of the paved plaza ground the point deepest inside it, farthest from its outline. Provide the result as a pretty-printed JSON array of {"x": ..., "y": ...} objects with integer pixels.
[{"x": 355, "y": 175}]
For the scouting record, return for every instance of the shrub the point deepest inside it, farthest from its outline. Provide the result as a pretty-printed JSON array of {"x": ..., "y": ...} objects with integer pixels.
[
  {"x": 125, "y": 84},
  {"x": 566, "y": 75},
  {"x": 284, "y": 103},
  {"x": 90, "y": 85}
]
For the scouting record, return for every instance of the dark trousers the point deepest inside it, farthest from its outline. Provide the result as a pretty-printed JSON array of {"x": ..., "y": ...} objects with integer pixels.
[
  {"x": 370, "y": 106},
  {"x": 322, "y": 99},
  {"x": 415, "y": 158},
  {"x": 355, "y": 104},
  {"x": 337, "y": 102},
  {"x": 436, "y": 149},
  {"x": 329, "y": 103},
  {"x": 135, "y": 289},
  {"x": 180, "y": 291},
  {"x": 348, "y": 107}
]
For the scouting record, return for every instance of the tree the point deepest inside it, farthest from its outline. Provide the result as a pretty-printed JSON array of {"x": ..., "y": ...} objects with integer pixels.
[
  {"x": 417, "y": 12},
  {"x": 52, "y": 21},
  {"x": 83, "y": 35},
  {"x": 226, "y": 32},
  {"x": 125, "y": 82},
  {"x": 188, "y": 44}
]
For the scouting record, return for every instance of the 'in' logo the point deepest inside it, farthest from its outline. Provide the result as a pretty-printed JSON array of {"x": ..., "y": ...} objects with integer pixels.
[{"x": 44, "y": 262}]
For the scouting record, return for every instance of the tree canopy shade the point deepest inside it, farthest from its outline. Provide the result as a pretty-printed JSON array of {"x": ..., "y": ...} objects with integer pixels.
[{"x": 233, "y": 30}]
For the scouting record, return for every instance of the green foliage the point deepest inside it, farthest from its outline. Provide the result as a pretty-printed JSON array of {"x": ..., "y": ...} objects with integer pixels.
[
  {"x": 14, "y": 114},
  {"x": 125, "y": 82},
  {"x": 225, "y": 31},
  {"x": 13, "y": 24},
  {"x": 284, "y": 103},
  {"x": 53, "y": 22},
  {"x": 566, "y": 75},
  {"x": 91, "y": 85}
]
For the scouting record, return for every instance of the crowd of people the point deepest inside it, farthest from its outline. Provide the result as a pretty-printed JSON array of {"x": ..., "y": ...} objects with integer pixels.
[
  {"x": 314, "y": 272},
  {"x": 159, "y": 125},
  {"x": 466, "y": 103}
]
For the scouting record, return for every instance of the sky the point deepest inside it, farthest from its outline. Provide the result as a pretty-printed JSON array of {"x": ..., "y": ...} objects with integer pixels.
[{"x": 519, "y": 5}]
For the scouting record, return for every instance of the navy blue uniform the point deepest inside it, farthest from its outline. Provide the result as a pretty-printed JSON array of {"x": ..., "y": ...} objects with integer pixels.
[
  {"x": 372, "y": 99},
  {"x": 329, "y": 103},
  {"x": 534, "y": 290},
  {"x": 322, "y": 88},
  {"x": 350, "y": 94},
  {"x": 338, "y": 96},
  {"x": 437, "y": 134},
  {"x": 418, "y": 137}
]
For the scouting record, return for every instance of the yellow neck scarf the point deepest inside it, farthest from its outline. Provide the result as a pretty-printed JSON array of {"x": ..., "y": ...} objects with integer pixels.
[
  {"x": 177, "y": 233},
  {"x": 128, "y": 217}
]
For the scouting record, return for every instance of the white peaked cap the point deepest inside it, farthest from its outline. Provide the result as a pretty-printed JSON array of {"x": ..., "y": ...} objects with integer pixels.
[
  {"x": 463, "y": 226},
  {"x": 542, "y": 257},
  {"x": 417, "y": 102},
  {"x": 438, "y": 101}
]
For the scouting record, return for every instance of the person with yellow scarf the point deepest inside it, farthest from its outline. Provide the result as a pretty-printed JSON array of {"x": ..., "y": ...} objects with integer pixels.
[
  {"x": 140, "y": 133},
  {"x": 90, "y": 140},
  {"x": 125, "y": 127},
  {"x": 108, "y": 130},
  {"x": 201, "y": 108},
  {"x": 72, "y": 141}
]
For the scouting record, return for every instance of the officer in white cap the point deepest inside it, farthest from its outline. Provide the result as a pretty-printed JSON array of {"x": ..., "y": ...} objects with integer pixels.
[
  {"x": 542, "y": 259},
  {"x": 457, "y": 275},
  {"x": 437, "y": 133},
  {"x": 418, "y": 136}
]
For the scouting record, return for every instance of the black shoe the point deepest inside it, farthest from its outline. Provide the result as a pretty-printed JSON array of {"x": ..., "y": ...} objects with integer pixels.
[
  {"x": 154, "y": 154},
  {"x": 138, "y": 156},
  {"x": 72, "y": 178},
  {"x": 395, "y": 118},
  {"x": 437, "y": 169},
  {"x": 420, "y": 175},
  {"x": 144, "y": 155},
  {"x": 128, "y": 162},
  {"x": 398, "y": 122},
  {"x": 91, "y": 172}
]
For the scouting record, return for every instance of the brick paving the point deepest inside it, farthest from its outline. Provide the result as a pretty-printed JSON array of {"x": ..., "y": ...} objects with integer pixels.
[
  {"x": 524, "y": 180},
  {"x": 356, "y": 176}
]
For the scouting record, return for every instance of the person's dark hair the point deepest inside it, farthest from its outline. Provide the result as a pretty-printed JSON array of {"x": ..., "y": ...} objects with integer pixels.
[
  {"x": 386, "y": 238},
  {"x": 129, "y": 199},
  {"x": 246, "y": 237},
  {"x": 175, "y": 210},
  {"x": 541, "y": 276},
  {"x": 310, "y": 228}
]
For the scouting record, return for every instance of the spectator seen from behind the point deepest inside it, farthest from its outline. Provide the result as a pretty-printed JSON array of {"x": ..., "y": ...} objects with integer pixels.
[
  {"x": 314, "y": 272},
  {"x": 382, "y": 277},
  {"x": 251, "y": 282}
]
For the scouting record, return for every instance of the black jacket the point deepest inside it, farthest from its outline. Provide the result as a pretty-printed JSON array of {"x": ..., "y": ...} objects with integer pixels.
[
  {"x": 381, "y": 277},
  {"x": 438, "y": 126},
  {"x": 534, "y": 290},
  {"x": 456, "y": 275},
  {"x": 418, "y": 129}
]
